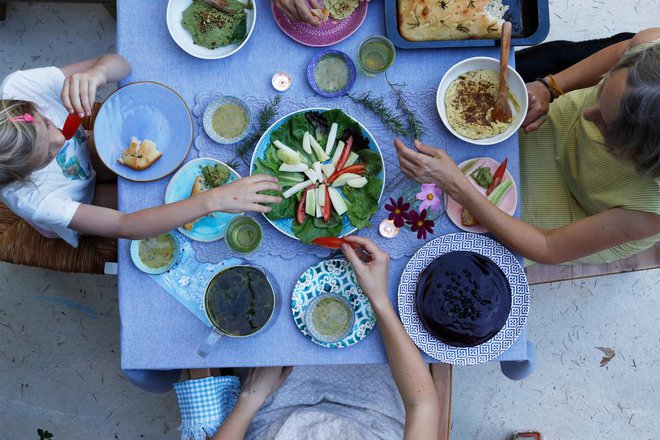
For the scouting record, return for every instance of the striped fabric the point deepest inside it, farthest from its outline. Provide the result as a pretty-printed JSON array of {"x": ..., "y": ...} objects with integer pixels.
[{"x": 567, "y": 175}]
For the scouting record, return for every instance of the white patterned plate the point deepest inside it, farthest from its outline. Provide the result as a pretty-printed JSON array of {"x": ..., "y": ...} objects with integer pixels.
[
  {"x": 514, "y": 325},
  {"x": 333, "y": 277}
]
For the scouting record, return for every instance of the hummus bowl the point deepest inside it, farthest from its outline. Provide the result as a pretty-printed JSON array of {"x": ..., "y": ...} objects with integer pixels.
[
  {"x": 184, "y": 39},
  {"x": 514, "y": 82}
]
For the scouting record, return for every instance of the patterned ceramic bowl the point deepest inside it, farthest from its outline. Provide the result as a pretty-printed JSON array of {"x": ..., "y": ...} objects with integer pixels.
[
  {"x": 310, "y": 321},
  {"x": 135, "y": 256},
  {"x": 323, "y": 55},
  {"x": 207, "y": 119}
]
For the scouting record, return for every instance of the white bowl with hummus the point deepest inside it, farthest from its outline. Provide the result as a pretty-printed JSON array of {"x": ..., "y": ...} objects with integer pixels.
[{"x": 468, "y": 90}]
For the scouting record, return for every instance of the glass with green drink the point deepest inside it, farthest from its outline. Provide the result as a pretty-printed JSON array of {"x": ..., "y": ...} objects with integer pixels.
[
  {"x": 376, "y": 55},
  {"x": 243, "y": 234}
]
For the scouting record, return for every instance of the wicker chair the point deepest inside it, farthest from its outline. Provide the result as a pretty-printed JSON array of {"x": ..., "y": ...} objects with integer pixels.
[{"x": 20, "y": 243}]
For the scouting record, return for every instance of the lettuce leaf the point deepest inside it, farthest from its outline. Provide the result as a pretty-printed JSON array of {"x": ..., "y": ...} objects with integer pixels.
[
  {"x": 363, "y": 202},
  {"x": 308, "y": 231}
]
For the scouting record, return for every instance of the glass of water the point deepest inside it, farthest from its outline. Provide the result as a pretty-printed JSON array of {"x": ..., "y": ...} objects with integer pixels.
[{"x": 376, "y": 55}]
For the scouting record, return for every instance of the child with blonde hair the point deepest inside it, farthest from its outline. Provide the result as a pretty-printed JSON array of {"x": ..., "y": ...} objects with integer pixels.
[{"x": 60, "y": 186}]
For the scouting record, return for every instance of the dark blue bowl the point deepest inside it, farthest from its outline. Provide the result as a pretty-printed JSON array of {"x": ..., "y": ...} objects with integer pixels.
[{"x": 312, "y": 66}]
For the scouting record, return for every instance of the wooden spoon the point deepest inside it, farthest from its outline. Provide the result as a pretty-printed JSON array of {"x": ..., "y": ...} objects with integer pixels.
[{"x": 502, "y": 110}]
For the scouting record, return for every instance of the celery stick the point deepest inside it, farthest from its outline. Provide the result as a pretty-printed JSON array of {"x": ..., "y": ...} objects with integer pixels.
[{"x": 500, "y": 192}]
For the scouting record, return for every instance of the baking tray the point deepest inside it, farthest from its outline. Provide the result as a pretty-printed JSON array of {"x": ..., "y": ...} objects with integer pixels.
[{"x": 529, "y": 19}]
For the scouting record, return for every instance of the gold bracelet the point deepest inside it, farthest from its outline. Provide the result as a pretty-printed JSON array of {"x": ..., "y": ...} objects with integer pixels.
[{"x": 557, "y": 91}]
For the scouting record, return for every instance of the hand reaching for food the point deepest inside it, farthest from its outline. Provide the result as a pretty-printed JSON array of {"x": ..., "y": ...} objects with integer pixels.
[
  {"x": 371, "y": 265},
  {"x": 539, "y": 104},
  {"x": 299, "y": 10},
  {"x": 430, "y": 165},
  {"x": 243, "y": 195}
]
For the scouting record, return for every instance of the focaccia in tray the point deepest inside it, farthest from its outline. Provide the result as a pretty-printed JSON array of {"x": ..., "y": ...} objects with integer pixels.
[{"x": 432, "y": 20}]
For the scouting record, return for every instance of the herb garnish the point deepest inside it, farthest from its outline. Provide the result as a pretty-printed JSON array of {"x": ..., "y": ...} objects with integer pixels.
[
  {"x": 471, "y": 4},
  {"x": 462, "y": 28},
  {"x": 444, "y": 4},
  {"x": 378, "y": 107},
  {"x": 415, "y": 125},
  {"x": 416, "y": 23}
]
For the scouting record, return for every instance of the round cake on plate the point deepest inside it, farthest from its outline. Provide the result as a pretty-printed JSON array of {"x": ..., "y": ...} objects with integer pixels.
[{"x": 463, "y": 298}]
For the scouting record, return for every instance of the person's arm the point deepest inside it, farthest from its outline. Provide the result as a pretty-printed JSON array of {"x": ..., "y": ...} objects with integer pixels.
[
  {"x": 552, "y": 246},
  {"x": 299, "y": 10},
  {"x": 584, "y": 74},
  {"x": 259, "y": 384},
  {"x": 239, "y": 196},
  {"x": 410, "y": 373},
  {"x": 84, "y": 78}
]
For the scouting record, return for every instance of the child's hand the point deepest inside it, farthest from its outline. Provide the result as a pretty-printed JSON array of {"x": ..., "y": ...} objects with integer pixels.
[
  {"x": 371, "y": 268},
  {"x": 243, "y": 195},
  {"x": 79, "y": 90},
  {"x": 264, "y": 381}
]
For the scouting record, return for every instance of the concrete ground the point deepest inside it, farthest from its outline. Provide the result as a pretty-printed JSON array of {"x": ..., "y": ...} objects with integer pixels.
[{"x": 59, "y": 333}]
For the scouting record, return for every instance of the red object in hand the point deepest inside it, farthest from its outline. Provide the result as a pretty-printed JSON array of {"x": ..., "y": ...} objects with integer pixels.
[
  {"x": 332, "y": 242},
  {"x": 71, "y": 125},
  {"x": 327, "y": 208},
  {"x": 355, "y": 169},
  {"x": 345, "y": 153},
  {"x": 498, "y": 176}
]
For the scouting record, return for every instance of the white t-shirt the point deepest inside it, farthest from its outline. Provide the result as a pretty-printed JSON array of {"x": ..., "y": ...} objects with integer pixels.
[{"x": 51, "y": 196}]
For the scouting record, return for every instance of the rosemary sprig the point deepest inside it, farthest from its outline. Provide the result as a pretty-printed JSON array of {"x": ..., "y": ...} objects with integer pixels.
[
  {"x": 415, "y": 125},
  {"x": 266, "y": 115},
  {"x": 378, "y": 107}
]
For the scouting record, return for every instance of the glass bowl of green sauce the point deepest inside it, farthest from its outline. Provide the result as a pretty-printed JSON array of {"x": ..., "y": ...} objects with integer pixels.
[{"x": 227, "y": 120}]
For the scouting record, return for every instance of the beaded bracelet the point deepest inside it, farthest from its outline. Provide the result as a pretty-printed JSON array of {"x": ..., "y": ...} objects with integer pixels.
[{"x": 547, "y": 86}]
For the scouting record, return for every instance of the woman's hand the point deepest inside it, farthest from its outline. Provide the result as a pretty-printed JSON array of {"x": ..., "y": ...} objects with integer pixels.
[
  {"x": 79, "y": 90},
  {"x": 243, "y": 195},
  {"x": 539, "y": 104},
  {"x": 371, "y": 268},
  {"x": 264, "y": 381},
  {"x": 298, "y": 10},
  {"x": 430, "y": 165}
]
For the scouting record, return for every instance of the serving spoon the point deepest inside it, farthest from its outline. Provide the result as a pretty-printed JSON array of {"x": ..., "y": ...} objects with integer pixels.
[{"x": 501, "y": 112}]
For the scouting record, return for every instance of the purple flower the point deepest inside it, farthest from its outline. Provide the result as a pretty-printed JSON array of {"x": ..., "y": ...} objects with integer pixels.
[
  {"x": 419, "y": 223},
  {"x": 430, "y": 197},
  {"x": 398, "y": 211}
]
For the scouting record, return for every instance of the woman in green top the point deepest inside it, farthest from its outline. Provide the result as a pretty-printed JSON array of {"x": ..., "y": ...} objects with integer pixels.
[{"x": 590, "y": 162}]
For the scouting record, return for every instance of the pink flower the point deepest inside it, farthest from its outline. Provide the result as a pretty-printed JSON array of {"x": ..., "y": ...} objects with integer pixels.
[{"x": 430, "y": 197}]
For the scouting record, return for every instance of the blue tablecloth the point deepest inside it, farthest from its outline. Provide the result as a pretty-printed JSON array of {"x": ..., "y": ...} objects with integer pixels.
[{"x": 157, "y": 332}]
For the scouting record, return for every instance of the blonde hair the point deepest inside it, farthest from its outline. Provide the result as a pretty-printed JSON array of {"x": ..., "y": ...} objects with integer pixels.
[{"x": 17, "y": 140}]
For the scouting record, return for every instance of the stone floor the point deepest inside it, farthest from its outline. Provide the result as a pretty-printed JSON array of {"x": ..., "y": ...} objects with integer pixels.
[{"x": 59, "y": 333}]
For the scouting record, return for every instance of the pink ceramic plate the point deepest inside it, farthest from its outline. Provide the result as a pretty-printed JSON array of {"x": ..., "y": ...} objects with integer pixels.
[
  {"x": 508, "y": 205},
  {"x": 329, "y": 33}
]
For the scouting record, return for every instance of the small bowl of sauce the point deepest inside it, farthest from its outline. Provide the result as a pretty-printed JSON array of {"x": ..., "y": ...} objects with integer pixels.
[
  {"x": 155, "y": 255},
  {"x": 329, "y": 318},
  {"x": 331, "y": 73},
  {"x": 227, "y": 120}
]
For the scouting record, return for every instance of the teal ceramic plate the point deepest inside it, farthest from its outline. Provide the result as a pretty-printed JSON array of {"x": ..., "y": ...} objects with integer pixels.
[
  {"x": 332, "y": 277},
  {"x": 208, "y": 118},
  {"x": 212, "y": 227},
  {"x": 150, "y": 270}
]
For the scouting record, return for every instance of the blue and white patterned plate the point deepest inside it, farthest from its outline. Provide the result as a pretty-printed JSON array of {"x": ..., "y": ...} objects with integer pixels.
[
  {"x": 311, "y": 73},
  {"x": 515, "y": 323},
  {"x": 209, "y": 228},
  {"x": 285, "y": 225},
  {"x": 333, "y": 277}
]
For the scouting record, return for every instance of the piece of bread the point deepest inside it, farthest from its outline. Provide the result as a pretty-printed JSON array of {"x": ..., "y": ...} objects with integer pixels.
[
  {"x": 432, "y": 20},
  {"x": 341, "y": 9},
  {"x": 320, "y": 13},
  {"x": 199, "y": 186},
  {"x": 140, "y": 155}
]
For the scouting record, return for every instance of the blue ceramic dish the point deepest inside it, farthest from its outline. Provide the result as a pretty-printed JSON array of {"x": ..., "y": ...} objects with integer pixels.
[
  {"x": 135, "y": 256},
  {"x": 311, "y": 73},
  {"x": 146, "y": 110},
  {"x": 285, "y": 225},
  {"x": 209, "y": 228},
  {"x": 208, "y": 117}
]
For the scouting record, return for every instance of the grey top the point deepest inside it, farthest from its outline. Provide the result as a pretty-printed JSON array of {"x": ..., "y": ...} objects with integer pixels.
[{"x": 319, "y": 402}]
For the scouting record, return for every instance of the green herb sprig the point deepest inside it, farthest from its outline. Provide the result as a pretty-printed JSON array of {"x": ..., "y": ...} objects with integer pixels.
[
  {"x": 266, "y": 116},
  {"x": 378, "y": 107},
  {"x": 415, "y": 125}
]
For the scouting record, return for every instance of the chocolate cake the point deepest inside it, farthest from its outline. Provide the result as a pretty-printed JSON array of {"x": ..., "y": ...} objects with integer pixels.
[{"x": 463, "y": 298}]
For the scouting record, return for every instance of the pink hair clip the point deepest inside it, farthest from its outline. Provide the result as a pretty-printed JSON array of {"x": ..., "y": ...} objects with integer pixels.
[{"x": 25, "y": 117}]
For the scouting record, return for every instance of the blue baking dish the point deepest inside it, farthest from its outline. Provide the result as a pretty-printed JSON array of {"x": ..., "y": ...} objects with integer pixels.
[{"x": 530, "y": 22}]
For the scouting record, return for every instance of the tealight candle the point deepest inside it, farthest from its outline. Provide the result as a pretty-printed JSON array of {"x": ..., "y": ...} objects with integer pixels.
[
  {"x": 281, "y": 81},
  {"x": 387, "y": 229}
]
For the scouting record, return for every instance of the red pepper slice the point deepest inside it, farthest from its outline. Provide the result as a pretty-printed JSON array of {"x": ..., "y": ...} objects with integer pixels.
[
  {"x": 300, "y": 213},
  {"x": 345, "y": 153},
  {"x": 332, "y": 242},
  {"x": 355, "y": 169},
  {"x": 498, "y": 176},
  {"x": 327, "y": 208},
  {"x": 71, "y": 125}
]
